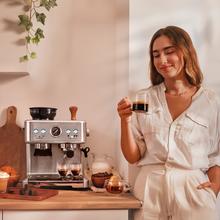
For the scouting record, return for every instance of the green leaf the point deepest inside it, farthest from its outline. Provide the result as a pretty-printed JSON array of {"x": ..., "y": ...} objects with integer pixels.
[
  {"x": 33, "y": 55},
  {"x": 41, "y": 17},
  {"x": 25, "y": 21},
  {"x": 53, "y": 3},
  {"x": 35, "y": 40},
  {"x": 39, "y": 33},
  {"x": 48, "y": 4},
  {"x": 37, "y": 36},
  {"x": 23, "y": 58},
  {"x": 28, "y": 39}
]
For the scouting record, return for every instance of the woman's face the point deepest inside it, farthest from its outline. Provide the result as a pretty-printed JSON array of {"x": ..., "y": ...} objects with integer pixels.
[{"x": 167, "y": 59}]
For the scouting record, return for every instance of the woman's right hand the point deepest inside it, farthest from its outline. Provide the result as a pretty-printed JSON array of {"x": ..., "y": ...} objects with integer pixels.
[{"x": 124, "y": 109}]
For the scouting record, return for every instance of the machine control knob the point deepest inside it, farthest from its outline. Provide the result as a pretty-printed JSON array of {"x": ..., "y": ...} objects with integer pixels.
[{"x": 55, "y": 131}]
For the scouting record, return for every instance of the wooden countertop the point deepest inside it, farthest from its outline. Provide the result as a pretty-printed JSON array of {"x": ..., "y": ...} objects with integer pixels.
[{"x": 74, "y": 200}]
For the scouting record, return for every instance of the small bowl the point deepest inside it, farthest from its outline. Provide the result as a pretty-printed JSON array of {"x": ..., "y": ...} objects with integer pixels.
[
  {"x": 13, "y": 180},
  {"x": 99, "y": 179},
  {"x": 43, "y": 113}
]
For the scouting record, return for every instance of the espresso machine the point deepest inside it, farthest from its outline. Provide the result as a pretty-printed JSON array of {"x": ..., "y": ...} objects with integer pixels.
[{"x": 53, "y": 149}]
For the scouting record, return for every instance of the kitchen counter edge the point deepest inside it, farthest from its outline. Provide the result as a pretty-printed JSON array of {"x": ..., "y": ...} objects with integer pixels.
[{"x": 75, "y": 200}]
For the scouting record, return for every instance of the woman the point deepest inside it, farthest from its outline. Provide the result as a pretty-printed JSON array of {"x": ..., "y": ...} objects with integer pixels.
[{"x": 177, "y": 142}]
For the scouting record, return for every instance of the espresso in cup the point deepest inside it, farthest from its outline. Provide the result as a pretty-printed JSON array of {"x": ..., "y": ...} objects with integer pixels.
[
  {"x": 140, "y": 103},
  {"x": 75, "y": 172},
  {"x": 75, "y": 169},
  {"x": 62, "y": 172},
  {"x": 140, "y": 106}
]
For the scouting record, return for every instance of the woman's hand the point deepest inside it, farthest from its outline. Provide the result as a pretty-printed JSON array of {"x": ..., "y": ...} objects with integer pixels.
[
  {"x": 214, "y": 180},
  {"x": 128, "y": 144},
  {"x": 213, "y": 186},
  {"x": 124, "y": 109}
]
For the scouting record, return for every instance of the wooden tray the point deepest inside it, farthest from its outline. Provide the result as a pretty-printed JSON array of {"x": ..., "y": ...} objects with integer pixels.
[{"x": 37, "y": 194}]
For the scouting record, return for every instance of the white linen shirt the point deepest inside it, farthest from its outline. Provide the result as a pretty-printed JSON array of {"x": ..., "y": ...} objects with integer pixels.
[{"x": 191, "y": 141}]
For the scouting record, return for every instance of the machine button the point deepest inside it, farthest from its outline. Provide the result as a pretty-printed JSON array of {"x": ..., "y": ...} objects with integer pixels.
[
  {"x": 35, "y": 131},
  {"x": 68, "y": 131},
  {"x": 43, "y": 131},
  {"x": 75, "y": 131},
  {"x": 170, "y": 158}
]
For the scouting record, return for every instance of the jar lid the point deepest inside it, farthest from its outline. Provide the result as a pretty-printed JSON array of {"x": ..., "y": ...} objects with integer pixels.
[{"x": 115, "y": 178}]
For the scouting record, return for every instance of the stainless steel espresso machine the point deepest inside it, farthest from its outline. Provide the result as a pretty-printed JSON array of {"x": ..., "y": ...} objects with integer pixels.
[{"x": 55, "y": 153}]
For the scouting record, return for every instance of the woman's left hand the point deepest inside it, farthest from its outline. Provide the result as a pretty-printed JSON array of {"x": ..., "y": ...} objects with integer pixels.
[{"x": 211, "y": 185}]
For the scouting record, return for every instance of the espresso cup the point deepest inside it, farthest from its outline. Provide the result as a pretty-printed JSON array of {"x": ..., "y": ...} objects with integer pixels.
[
  {"x": 3, "y": 181},
  {"x": 75, "y": 169},
  {"x": 140, "y": 103},
  {"x": 62, "y": 169}
]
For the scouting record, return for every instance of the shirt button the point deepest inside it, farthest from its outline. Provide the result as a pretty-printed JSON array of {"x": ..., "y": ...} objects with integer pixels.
[{"x": 170, "y": 158}]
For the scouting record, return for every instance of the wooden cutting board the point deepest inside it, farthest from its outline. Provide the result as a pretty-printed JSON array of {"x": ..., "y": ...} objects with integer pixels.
[
  {"x": 35, "y": 195},
  {"x": 12, "y": 144}
]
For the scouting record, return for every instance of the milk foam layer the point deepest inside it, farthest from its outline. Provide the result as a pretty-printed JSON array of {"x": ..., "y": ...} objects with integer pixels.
[{"x": 3, "y": 175}]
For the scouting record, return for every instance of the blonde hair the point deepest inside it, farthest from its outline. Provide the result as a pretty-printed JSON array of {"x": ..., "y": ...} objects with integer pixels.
[{"x": 182, "y": 41}]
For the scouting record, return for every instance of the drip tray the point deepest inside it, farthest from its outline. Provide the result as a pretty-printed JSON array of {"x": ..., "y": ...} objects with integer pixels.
[
  {"x": 54, "y": 178},
  {"x": 55, "y": 181},
  {"x": 44, "y": 177},
  {"x": 64, "y": 187}
]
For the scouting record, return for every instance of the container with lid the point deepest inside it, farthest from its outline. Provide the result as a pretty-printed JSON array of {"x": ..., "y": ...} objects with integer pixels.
[
  {"x": 117, "y": 185},
  {"x": 3, "y": 181},
  {"x": 101, "y": 164}
]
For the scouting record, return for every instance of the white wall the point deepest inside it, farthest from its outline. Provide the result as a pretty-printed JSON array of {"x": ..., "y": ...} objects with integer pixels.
[
  {"x": 11, "y": 36},
  {"x": 82, "y": 61},
  {"x": 199, "y": 18}
]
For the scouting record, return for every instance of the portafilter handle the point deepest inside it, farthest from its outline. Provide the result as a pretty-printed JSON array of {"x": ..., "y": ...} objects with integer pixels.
[{"x": 73, "y": 110}]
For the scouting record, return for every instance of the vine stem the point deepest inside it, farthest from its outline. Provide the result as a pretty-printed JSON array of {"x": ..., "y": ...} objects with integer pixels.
[
  {"x": 29, "y": 31},
  {"x": 32, "y": 37}
]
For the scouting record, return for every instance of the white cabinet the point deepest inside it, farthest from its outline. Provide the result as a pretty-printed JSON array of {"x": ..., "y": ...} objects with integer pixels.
[{"x": 66, "y": 215}]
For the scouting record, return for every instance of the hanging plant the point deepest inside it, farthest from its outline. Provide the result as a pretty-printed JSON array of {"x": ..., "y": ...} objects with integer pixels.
[{"x": 30, "y": 21}]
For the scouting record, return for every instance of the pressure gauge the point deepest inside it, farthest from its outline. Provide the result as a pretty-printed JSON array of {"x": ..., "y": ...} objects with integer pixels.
[{"x": 55, "y": 131}]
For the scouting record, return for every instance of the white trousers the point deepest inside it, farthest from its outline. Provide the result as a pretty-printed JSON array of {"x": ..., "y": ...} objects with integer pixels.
[{"x": 171, "y": 193}]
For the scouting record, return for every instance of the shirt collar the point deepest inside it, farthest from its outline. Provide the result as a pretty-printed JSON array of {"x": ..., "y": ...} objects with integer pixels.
[{"x": 199, "y": 91}]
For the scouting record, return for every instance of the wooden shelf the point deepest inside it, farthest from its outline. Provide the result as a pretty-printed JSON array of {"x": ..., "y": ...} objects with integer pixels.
[{"x": 13, "y": 74}]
